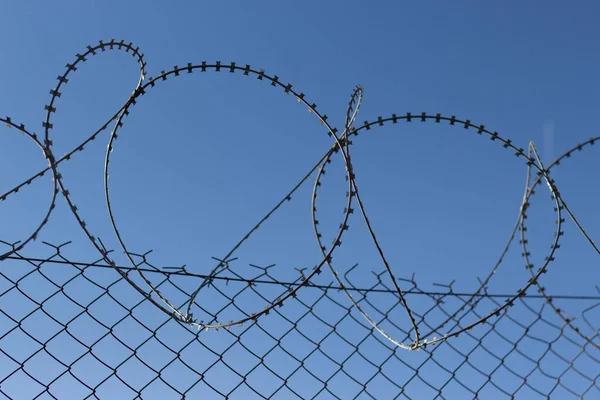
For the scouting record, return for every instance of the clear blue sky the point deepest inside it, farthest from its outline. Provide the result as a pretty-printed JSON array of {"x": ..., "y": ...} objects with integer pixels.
[{"x": 203, "y": 157}]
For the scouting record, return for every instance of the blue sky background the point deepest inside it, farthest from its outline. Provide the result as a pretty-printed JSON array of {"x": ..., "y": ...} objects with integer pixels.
[{"x": 203, "y": 157}]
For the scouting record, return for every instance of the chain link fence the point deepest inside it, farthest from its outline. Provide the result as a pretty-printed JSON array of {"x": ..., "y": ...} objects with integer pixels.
[{"x": 78, "y": 330}]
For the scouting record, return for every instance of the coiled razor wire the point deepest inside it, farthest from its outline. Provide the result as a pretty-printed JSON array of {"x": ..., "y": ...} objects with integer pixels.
[{"x": 341, "y": 146}]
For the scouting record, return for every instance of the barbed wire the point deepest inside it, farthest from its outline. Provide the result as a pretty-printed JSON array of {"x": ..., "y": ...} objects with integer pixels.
[{"x": 422, "y": 333}]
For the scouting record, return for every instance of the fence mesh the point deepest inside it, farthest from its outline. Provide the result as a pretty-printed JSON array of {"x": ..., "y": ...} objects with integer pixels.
[{"x": 78, "y": 330}]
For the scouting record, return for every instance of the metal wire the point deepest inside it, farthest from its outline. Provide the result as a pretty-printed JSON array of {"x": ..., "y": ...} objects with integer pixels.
[{"x": 480, "y": 308}]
